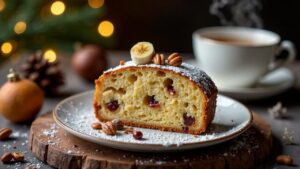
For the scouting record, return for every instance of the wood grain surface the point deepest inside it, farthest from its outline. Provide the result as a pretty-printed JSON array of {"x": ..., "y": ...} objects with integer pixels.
[{"x": 52, "y": 145}]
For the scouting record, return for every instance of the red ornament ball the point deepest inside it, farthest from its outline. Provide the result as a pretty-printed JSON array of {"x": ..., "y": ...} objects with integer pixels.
[{"x": 89, "y": 62}]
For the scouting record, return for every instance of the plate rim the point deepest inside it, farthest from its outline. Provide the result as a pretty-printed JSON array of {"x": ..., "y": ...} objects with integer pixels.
[{"x": 183, "y": 146}]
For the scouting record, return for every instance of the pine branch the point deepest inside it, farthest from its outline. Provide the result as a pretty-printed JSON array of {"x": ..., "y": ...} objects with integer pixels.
[
  {"x": 85, "y": 34},
  {"x": 77, "y": 24},
  {"x": 66, "y": 20},
  {"x": 8, "y": 12},
  {"x": 55, "y": 23},
  {"x": 26, "y": 12},
  {"x": 66, "y": 43}
]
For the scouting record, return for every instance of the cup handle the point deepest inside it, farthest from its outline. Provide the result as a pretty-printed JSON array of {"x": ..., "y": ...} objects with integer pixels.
[{"x": 290, "y": 48}]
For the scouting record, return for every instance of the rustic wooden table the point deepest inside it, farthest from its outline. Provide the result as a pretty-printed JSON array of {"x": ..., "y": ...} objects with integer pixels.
[{"x": 74, "y": 84}]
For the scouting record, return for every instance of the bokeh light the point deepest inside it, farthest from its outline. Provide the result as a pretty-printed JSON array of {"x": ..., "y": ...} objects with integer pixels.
[
  {"x": 2, "y": 5},
  {"x": 57, "y": 8},
  {"x": 96, "y": 3},
  {"x": 106, "y": 28},
  {"x": 6, "y": 47},
  {"x": 50, "y": 55},
  {"x": 20, "y": 27}
]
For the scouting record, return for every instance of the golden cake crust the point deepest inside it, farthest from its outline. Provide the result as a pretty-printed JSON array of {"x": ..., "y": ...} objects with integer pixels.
[{"x": 208, "y": 102}]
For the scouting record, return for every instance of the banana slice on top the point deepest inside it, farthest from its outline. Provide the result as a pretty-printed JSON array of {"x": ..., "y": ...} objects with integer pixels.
[{"x": 142, "y": 52}]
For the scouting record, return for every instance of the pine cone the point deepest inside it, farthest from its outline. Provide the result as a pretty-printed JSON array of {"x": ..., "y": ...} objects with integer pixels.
[{"x": 47, "y": 75}]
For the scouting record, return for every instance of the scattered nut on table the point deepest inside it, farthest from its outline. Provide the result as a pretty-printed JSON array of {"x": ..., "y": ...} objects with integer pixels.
[
  {"x": 284, "y": 160},
  {"x": 6, "y": 158},
  {"x": 5, "y": 133},
  {"x": 18, "y": 156}
]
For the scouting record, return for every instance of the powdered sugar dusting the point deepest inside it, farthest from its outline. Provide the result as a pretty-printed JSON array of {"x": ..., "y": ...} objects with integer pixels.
[
  {"x": 52, "y": 131},
  {"x": 194, "y": 73},
  {"x": 78, "y": 111}
]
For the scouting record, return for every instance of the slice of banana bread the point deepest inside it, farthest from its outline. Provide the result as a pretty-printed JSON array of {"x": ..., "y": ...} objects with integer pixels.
[{"x": 180, "y": 99}]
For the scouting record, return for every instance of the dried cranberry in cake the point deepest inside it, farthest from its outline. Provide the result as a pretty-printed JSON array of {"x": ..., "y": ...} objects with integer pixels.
[
  {"x": 188, "y": 120},
  {"x": 171, "y": 90},
  {"x": 153, "y": 103},
  {"x": 168, "y": 83},
  {"x": 112, "y": 105}
]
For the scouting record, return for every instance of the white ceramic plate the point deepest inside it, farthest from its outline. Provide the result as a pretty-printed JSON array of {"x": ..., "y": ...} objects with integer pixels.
[
  {"x": 273, "y": 84},
  {"x": 75, "y": 114}
]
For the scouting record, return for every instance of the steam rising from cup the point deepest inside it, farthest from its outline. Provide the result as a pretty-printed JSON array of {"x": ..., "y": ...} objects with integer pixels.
[{"x": 238, "y": 12}]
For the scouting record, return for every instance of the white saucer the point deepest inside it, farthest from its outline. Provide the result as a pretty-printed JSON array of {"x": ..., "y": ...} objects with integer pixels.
[
  {"x": 273, "y": 84},
  {"x": 75, "y": 114}
]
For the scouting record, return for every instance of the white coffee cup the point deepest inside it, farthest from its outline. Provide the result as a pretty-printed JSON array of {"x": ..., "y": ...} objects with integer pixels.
[{"x": 239, "y": 56}]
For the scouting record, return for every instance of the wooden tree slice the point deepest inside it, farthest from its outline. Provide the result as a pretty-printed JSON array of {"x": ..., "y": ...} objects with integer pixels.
[{"x": 59, "y": 149}]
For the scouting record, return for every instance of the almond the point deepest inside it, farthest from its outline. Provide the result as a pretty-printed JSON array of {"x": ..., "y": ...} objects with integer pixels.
[
  {"x": 18, "y": 156},
  {"x": 96, "y": 126},
  {"x": 6, "y": 158},
  {"x": 284, "y": 159},
  {"x": 5, "y": 133}
]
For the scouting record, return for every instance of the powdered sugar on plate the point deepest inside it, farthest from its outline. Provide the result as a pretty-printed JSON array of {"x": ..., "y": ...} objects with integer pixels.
[{"x": 76, "y": 114}]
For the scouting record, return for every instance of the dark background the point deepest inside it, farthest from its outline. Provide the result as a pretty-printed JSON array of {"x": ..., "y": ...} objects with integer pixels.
[{"x": 169, "y": 23}]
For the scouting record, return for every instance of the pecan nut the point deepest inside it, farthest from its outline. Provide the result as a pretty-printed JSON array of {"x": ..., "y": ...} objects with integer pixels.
[
  {"x": 122, "y": 62},
  {"x": 108, "y": 128},
  {"x": 175, "y": 59},
  {"x": 118, "y": 124},
  {"x": 159, "y": 59}
]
